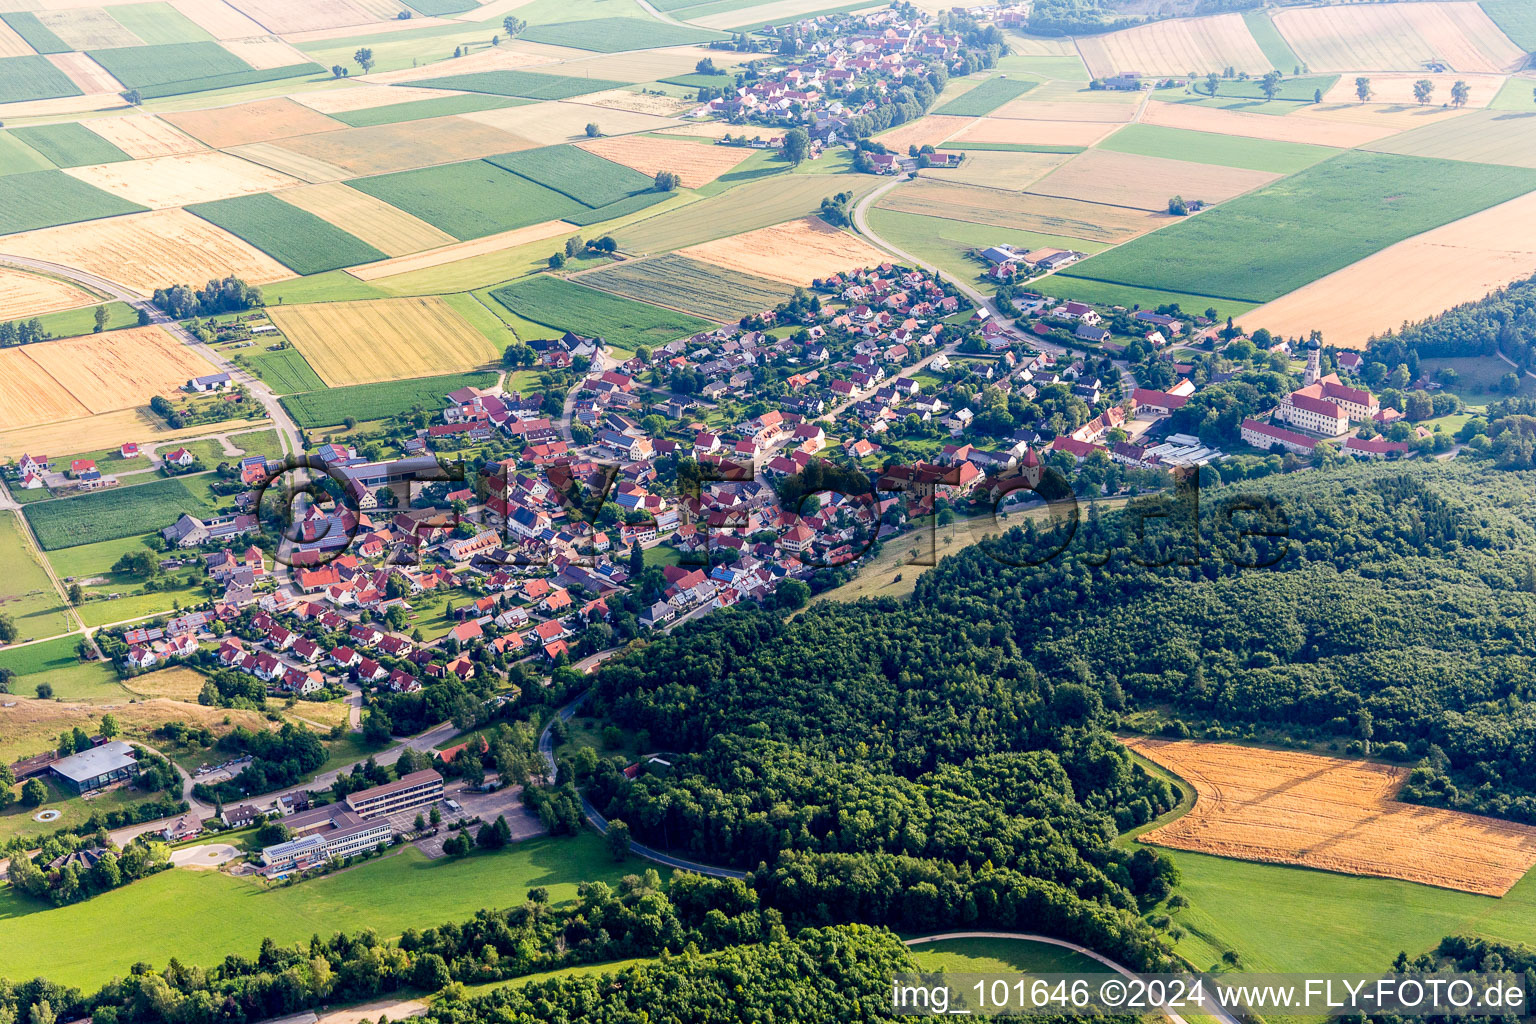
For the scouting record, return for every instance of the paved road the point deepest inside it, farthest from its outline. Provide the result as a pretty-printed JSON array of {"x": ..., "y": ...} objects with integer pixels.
[{"x": 1217, "y": 1012}]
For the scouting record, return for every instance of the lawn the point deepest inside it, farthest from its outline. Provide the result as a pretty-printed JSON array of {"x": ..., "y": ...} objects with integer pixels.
[
  {"x": 284, "y": 370},
  {"x": 585, "y": 177},
  {"x": 610, "y": 35},
  {"x": 86, "y": 560},
  {"x": 377, "y": 401},
  {"x": 69, "y": 144},
  {"x": 557, "y": 303},
  {"x": 1477, "y": 378},
  {"x": 68, "y": 323},
  {"x": 38, "y": 36},
  {"x": 54, "y": 662},
  {"x": 27, "y": 595},
  {"x": 43, "y": 199},
  {"x": 526, "y": 84},
  {"x": 202, "y": 916},
  {"x": 470, "y": 199},
  {"x": 109, "y": 515},
  {"x": 986, "y": 97},
  {"x": 296, "y": 238},
  {"x": 17, "y": 820},
  {"x": 416, "y": 110},
  {"x": 1222, "y": 150},
  {"x": 1269, "y": 242},
  {"x": 702, "y": 288},
  {"x": 33, "y": 78}
]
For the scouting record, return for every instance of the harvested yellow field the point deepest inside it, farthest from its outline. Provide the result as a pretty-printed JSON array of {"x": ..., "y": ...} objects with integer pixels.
[
  {"x": 500, "y": 58},
  {"x": 999, "y": 170},
  {"x": 378, "y": 28},
  {"x": 217, "y": 18},
  {"x": 30, "y": 725},
  {"x": 166, "y": 181},
  {"x": 925, "y": 131},
  {"x": 1399, "y": 89},
  {"x": 358, "y": 96},
  {"x": 282, "y": 16},
  {"x": 1176, "y": 47},
  {"x": 639, "y": 103},
  {"x": 302, "y": 166},
  {"x": 88, "y": 76},
  {"x": 125, "y": 369},
  {"x": 383, "y": 339},
  {"x": 391, "y": 231},
  {"x": 1414, "y": 279},
  {"x": 24, "y": 295},
  {"x": 1145, "y": 182},
  {"x": 61, "y": 107},
  {"x": 110, "y": 429},
  {"x": 1021, "y": 211},
  {"x": 1397, "y": 37},
  {"x": 1039, "y": 46},
  {"x": 1316, "y": 131},
  {"x": 142, "y": 136},
  {"x": 548, "y": 124},
  {"x": 398, "y": 147},
  {"x": 31, "y": 395},
  {"x": 263, "y": 52},
  {"x": 259, "y": 121},
  {"x": 1016, "y": 131},
  {"x": 1370, "y": 115},
  {"x": 1065, "y": 110},
  {"x": 88, "y": 28},
  {"x": 11, "y": 44},
  {"x": 1482, "y": 136},
  {"x": 796, "y": 252},
  {"x": 763, "y": 14},
  {"x": 455, "y": 251},
  {"x": 694, "y": 165},
  {"x": 1284, "y": 807},
  {"x": 145, "y": 251}
]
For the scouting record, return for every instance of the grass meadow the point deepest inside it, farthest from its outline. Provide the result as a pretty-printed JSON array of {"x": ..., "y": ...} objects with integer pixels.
[
  {"x": 557, "y": 303},
  {"x": 470, "y": 199},
  {"x": 325, "y": 408},
  {"x": 296, "y": 238},
  {"x": 70, "y": 144},
  {"x": 585, "y": 177},
  {"x": 986, "y": 97},
  {"x": 1222, "y": 150},
  {"x": 27, "y": 595},
  {"x": 54, "y": 662}
]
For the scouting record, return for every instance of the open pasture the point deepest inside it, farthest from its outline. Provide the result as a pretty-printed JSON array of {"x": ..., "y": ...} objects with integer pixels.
[
  {"x": 149, "y": 250},
  {"x": 570, "y": 307},
  {"x": 33, "y": 78},
  {"x": 166, "y": 181},
  {"x": 610, "y": 35},
  {"x": 1017, "y": 131},
  {"x": 1227, "y": 151},
  {"x": 386, "y": 148},
  {"x": 297, "y": 238},
  {"x": 258, "y": 121},
  {"x": 142, "y": 136},
  {"x": 469, "y": 200},
  {"x": 1177, "y": 47},
  {"x": 1332, "y": 814},
  {"x": 550, "y": 123},
  {"x": 453, "y": 252},
  {"x": 923, "y": 131},
  {"x": 333, "y": 406},
  {"x": 998, "y": 169},
  {"x": 1398, "y": 89},
  {"x": 391, "y": 231},
  {"x": 87, "y": 28},
  {"x": 1483, "y": 136},
  {"x": 284, "y": 16},
  {"x": 795, "y": 252},
  {"x": 531, "y": 85},
  {"x": 756, "y": 204},
  {"x": 1308, "y": 131},
  {"x": 1415, "y": 279},
  {"x": 1397, "y": 37},
  {"x": 986, "y": 97},
  {"x": 27, "y": 295},
  {"x": 1145, "y": 182},
  {"x": 704, "y": 289},
  {"x": 1067, "y": 218},
  {"x": 137, "y": 364},
  {"x": 41, "y": 199},
  {"x": 1298, "y": 229},
  {"x": 383, "y": 339},
  {"x": 68, "y": 144},
  {"x": 585, "y": 177},
  {"x": 695, "y": 165}
]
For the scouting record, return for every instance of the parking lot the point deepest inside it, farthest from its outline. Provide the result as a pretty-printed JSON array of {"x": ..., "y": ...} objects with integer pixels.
[{"x": 487, "y": 806}]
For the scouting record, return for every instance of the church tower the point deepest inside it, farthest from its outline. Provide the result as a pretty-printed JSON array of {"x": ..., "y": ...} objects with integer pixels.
[{"x": 1314, "y": 366}]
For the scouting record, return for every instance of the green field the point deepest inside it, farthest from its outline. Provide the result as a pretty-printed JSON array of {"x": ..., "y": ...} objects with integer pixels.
[
  {"x": 622, "y": 208},
  {"x": 1478, "y": 378},
  {"x": 109, "y": 515},
  {"x": 416, "y": 110},
  {"x": 294, "y": 237},
  {"x": 757, "y": 204},
  {"x": 331, "y": 286},
  {"x": 1517, "y": 18},
  {"x": 1001, "y": 956},
  {"x": 202, "y": 916},
  {"x": 27, "y": 595},
  {"x": 1269, "y": 242},
  {"x": 585, "y": 177},
  {"x": 701, "y": 288},
  {"x": 284, "y": 370},
  {"x": 70, "y": 144},
  {"x": 54, "y": 662},
  {"x": 17, "y": 157},
  {"x": 94, "y": 559},
  {"x": 158, "y": 23},
  {"x": 1106, "y": 294},
  {"x": 610, "y": 35},
  {"x": 142, "y": 67},
  {"x": 986, "y": 97},
  {"x": 526, "y": 84},
  {"x": 623, "y": 322},
  {"x": 434, "y": 8},
  {"x": 38, "y": 36},
  {"x": 69, "y": 323},
  {"x": 470, "y": 199},
  {"x": 32, "y": 78},
  {"x": 1279, "y": 52},
  {"x": 1059, "y": 67},
  {"x": 377, "y": 401},
  {"x": 1222, "y": 150},
  {"x": 17, "y": 820},
  {"x": 42, "y": 199}
]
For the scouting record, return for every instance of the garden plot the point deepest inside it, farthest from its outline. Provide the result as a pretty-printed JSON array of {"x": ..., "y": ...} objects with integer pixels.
[
  {"x": 259, "y": 121},
  {"x": 1146, "y": 182},
  {"x": 694, "y": 165},
  {"x": 1176, "y": 47},
  {"x": 142, "y": 136},
  {"x": 796, "y": 252},
  {"x": 1397, "y": 37},
  {"x": 167, "y": 181}
]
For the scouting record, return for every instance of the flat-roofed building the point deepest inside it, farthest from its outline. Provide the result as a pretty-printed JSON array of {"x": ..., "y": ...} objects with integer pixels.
[
  {"x": 414, "y": 790},
  {"x": 96, "y": 768}
]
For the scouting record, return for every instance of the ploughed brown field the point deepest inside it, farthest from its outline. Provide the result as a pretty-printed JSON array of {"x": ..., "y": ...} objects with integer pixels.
[{"x": 1285, "y": 807}]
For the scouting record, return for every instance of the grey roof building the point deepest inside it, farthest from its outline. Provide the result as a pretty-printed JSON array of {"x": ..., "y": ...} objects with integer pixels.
[{"x": 95, "y": 768}]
